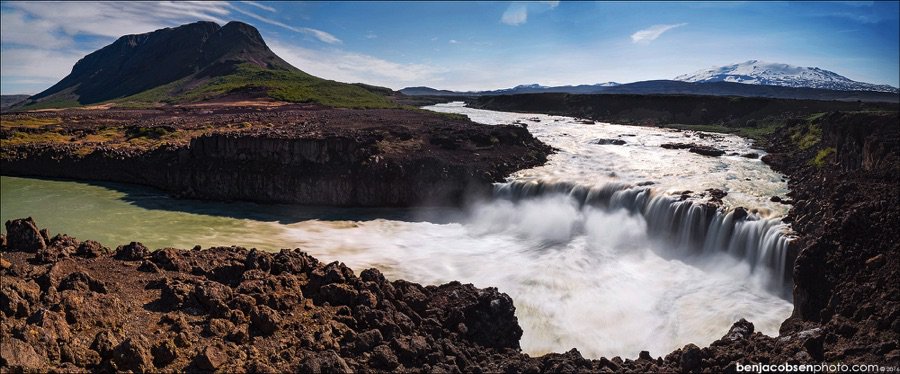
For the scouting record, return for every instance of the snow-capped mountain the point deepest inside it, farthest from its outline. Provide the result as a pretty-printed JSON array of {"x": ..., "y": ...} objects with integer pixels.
[{"x": 774, "y": 74}]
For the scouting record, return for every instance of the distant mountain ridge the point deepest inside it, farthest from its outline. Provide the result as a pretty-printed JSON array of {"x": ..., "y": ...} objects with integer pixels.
[
  {"x": 520, "y": 89},
  {"x": 194, "y": 62},
  {"x": 776, "y": 74},
  {"x": 750, "y": 79}
]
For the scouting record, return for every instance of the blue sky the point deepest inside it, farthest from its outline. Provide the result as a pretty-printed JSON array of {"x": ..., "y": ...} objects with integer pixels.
[{"x": 480, "y": 45}]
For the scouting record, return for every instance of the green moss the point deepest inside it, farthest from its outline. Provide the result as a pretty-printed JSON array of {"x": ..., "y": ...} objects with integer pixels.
[
  {"x": 30, "y": 122},
  {"x": 807, "y": 136},
  {"x": 815, "y": 117},
  {"x": 823, "y": 154},
  {"x": 53, "y": 104},
  {"x": 20, "y": 138}
]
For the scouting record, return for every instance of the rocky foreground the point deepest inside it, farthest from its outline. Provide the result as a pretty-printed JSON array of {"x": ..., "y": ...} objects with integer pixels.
[
  {"x": 272, "y": 152},
  {"x": 70, "y": 306}
]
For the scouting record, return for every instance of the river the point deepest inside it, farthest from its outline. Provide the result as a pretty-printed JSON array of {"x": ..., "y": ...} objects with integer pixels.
[{"x": 596, "y": 247}]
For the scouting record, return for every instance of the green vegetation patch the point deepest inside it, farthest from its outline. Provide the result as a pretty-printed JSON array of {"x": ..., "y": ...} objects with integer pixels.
[
  {"x": 284, "y": 85},
  {"x": 807, "y": 136},
  {"x": 819, "y": 160},
  {"x": 30, "y": 122},
  {"x": 759, "y": 133},
  {"x": 53, "y": 104},
  {"x": 21, "y": 138}
]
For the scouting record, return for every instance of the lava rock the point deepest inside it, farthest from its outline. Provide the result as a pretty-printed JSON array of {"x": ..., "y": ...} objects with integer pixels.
[
  {"x": 609, "y": 142},
  {"x": 133, "y": 251},
  {"x": 706, "y": 151},
  {"x": 23, "y": 235}
]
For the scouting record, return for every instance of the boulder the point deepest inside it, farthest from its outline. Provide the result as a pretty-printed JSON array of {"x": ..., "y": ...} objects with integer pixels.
[
  {"x": 133, "y": 354},
  {"x": 609, "y": 142},
  {"x": 19, "y": 356},
  {"x": 90, "y": 249},
  {"x": 133, "y": 251},
  {"x": 706, "y": 151},
  {"x": 211, "y": 358},
  {"x": 23, "y": 235}
]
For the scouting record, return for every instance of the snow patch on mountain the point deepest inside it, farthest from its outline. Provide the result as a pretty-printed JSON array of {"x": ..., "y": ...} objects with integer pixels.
[{"x": 775, "y": 74}]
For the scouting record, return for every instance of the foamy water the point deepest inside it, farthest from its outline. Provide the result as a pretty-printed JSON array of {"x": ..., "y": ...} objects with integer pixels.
[{"x": 583, "y": 276}]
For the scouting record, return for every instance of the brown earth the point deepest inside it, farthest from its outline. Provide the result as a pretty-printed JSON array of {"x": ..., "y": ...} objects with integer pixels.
[{"x": 293, "y": 153}]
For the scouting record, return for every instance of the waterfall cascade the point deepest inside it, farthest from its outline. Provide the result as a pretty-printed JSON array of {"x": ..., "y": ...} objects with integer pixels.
[{"x": 687, "y": 227}]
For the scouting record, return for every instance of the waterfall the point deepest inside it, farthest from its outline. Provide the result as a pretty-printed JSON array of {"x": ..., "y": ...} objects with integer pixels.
[{"x": 687, "y": 227}]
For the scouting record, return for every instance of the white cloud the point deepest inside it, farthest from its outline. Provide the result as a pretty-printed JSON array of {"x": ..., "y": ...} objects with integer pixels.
[
  {"x": 517, "y": 12},
  {"x": 16, "y": 29},
  {"x": 260, "y": 6},
  {"x": 650, "y": 34},
  {"x": 114, "y": 19},
  {"x": 20, "y": 62},
  {"x": 318, "y": 34},
  {"x": 346, "y": 66},
  {"x": 20, "y": 68},
  {"x": 453, "y": 41},
  {"x": 515, "y": 15},
  {"x": 321, "y": 35}
]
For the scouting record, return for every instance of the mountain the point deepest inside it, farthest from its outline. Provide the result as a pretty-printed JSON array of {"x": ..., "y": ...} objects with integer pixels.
[
  {"x": 7, "y": 101},
  {"x": 194, "y": 62},
  {"x": 774, "y": 74},
  {"x": 670, "y": 87},
  {"x": 520, "y": 89}
]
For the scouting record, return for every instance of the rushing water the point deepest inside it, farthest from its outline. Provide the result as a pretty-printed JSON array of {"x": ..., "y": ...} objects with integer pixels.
[{"x": 591, "y": 259}]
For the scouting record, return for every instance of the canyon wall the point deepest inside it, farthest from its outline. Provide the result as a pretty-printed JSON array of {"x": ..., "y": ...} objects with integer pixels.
[{"x": 361, "y": 170}]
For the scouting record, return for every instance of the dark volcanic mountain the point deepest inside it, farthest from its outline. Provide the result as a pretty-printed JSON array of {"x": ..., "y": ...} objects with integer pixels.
[
  {"x": 135, "y": 63},
  {"x": 190, "y": 63}
]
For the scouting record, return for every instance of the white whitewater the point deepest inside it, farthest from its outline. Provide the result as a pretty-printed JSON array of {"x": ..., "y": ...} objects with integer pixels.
[{"x": 591, "y": 259}]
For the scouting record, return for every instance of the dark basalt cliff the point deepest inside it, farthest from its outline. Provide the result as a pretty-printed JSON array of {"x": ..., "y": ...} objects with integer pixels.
[
  {"x": 321, "y": 156},
  {"x": 846, "y": 190}
]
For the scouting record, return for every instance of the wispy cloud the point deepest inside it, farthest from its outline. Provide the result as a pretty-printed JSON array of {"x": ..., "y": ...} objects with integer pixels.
[
  {"x": 517, "y": 12},
  {"x": 260, "y": 6},
  {"x": 650, "y": 34},
  {"x": 453, "y": 41},
  {"x": 318, "y": 34},
  {"x": 347, "y": 66},
  {"x": 321, "y": 35},
  {"x": 515, "y": 15}
]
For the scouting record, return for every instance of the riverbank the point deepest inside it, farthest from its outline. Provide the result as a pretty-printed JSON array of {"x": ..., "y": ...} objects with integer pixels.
[
  {"x": 272, "y": 152},
  {"x": 750, "y": 117}
]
